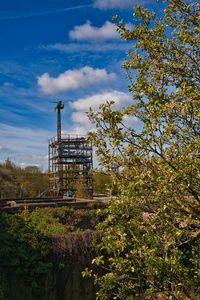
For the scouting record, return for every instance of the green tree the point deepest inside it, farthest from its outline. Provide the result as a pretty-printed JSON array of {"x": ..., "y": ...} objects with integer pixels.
[
  {"x": 16, "y": 182},
  {"x": 102, "y": 181},
  {"x": 150, "y": 245},
  {"x": 9, "y": 187},
  {"x": 81, "y": 187},
  {"x": 26, "y": 250},
  {"x": 1, "y": 294}
]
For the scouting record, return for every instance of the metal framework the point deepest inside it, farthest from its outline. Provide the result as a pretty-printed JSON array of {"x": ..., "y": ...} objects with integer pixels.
[{"x": 70, "y": 158}]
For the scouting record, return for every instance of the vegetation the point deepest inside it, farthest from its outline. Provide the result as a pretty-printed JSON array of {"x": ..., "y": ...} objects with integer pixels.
[
  {"x": 26, "y": 251},
  {"x": 1, "y": 294},
  {"x": 149, "y": 248},
  {"x": 19, "y": 182},
  {"x": 102, "y": 182},
  {"x": 81, "y": 187},
  {"x": 150, "y": 245},
  {"x": 24, "y": 239}
]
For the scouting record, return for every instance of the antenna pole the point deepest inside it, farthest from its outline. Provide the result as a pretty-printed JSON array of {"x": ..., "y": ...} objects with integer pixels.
[{"x": 58, "y": 107}]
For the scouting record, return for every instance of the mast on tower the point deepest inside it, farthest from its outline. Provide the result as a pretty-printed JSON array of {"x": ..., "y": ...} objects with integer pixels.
[
  {"x": 70, "y": 162},
  {"x": 58, "y": 107}
]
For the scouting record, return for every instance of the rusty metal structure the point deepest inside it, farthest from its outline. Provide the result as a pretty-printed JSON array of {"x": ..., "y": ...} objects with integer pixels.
[{"x": 70, "y": 158}]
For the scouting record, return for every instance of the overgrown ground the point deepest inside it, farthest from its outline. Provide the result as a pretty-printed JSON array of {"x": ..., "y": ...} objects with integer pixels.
[{"x": 35, "y": 244}]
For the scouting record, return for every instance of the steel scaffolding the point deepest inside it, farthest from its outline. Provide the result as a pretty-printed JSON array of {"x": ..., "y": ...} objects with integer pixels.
[{"x": 69, "y": 158}]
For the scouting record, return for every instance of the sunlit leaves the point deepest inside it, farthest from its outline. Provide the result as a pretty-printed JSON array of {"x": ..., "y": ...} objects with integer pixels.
[{"x": 151, "y": 233}]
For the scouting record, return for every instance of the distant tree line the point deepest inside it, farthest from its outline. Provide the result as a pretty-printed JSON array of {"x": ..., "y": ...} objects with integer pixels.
[
  {"x": 18, "y": 182},
  {"x": 30, "y": 181},
  {"x": 101, "y": 182}
]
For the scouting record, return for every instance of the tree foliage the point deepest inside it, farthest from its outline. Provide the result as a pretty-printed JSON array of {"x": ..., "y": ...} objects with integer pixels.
[
  {"x": 102, "y": 181},
  {"x": 20, "y": 182},
  {"x": 150, "y": 244},
  {"x": 25, "y": 242},
  {"x": 81, "y": 187}
]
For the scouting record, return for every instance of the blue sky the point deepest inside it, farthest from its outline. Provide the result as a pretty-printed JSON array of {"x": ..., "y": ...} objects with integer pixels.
[{"x": 57, "y": 50}]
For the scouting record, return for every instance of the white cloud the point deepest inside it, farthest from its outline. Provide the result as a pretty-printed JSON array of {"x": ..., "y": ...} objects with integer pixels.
[
  {"x": 81, "y": 123},
  {"x": 73, "y": 79},
  {"x": 87, "y": 32},
  {"x": 129, "y": 121},
  {"x": 83, "y": 104},
  {"x": 78, "y": 130},
  {"x": 79, "y": 117},
  {"x": 110, "y": 4}
]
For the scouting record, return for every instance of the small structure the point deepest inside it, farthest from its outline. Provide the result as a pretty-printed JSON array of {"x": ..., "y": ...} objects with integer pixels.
[{"x": 70, "y": 159}]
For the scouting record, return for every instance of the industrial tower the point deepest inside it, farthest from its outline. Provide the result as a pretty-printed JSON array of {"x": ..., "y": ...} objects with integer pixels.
[{"x": 70, "y": 158}]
